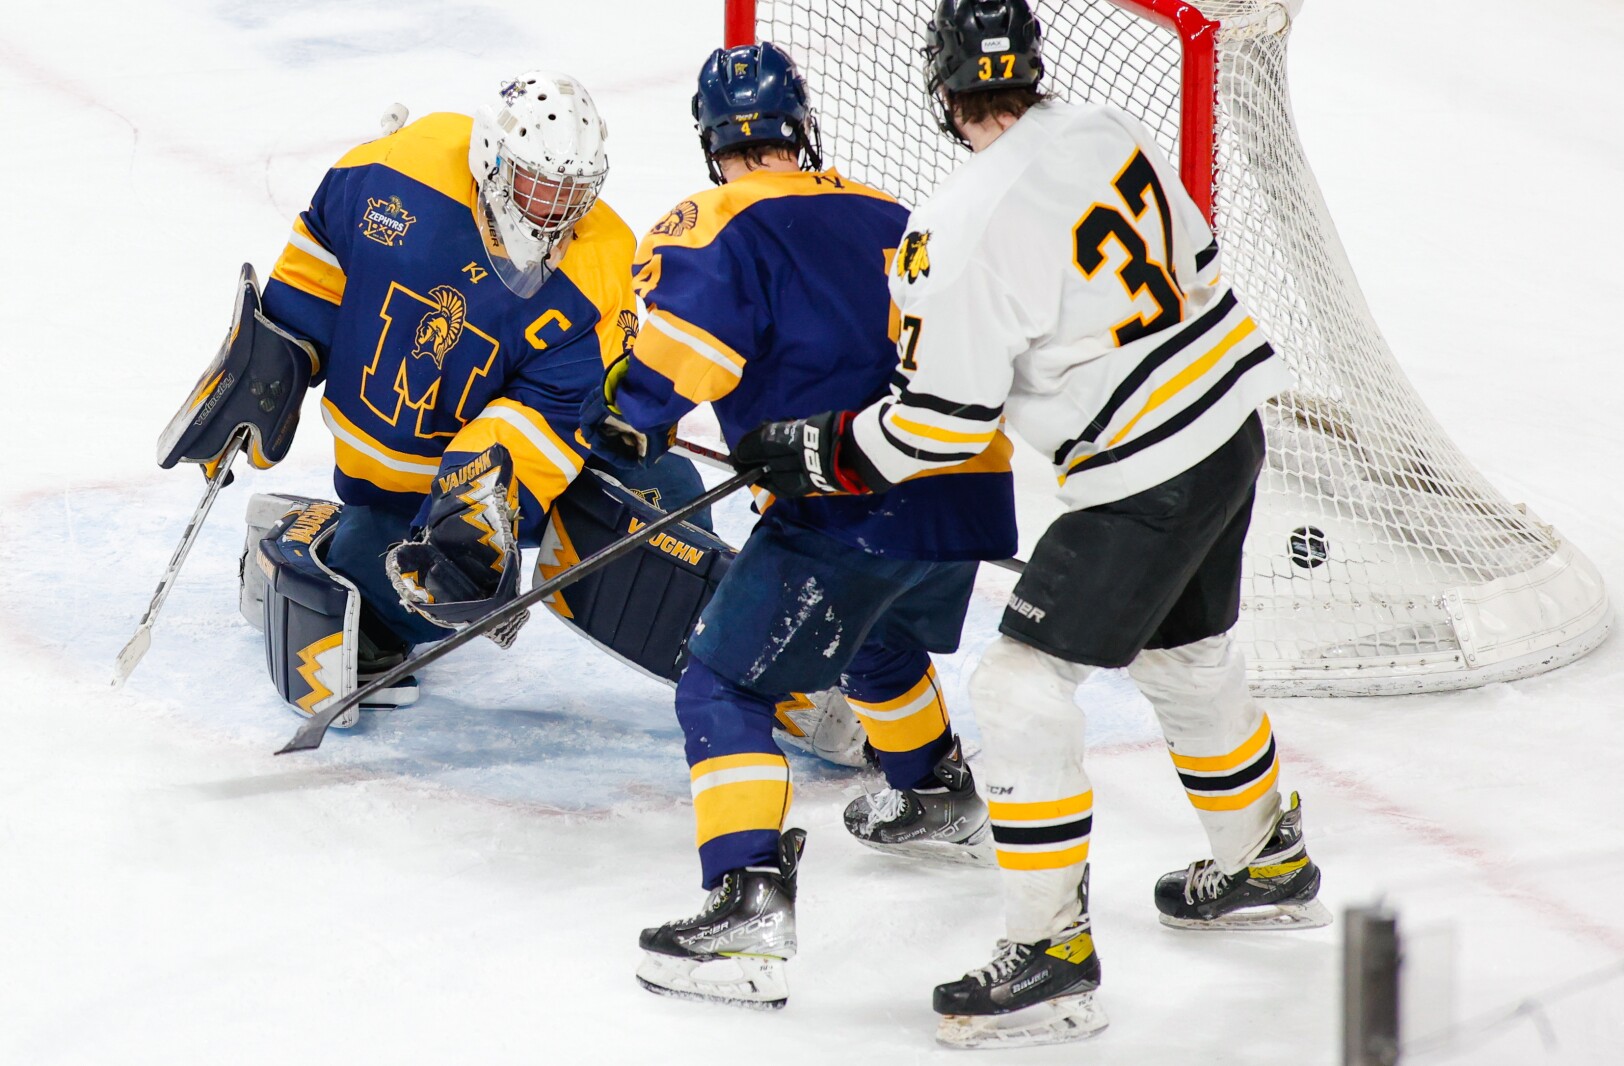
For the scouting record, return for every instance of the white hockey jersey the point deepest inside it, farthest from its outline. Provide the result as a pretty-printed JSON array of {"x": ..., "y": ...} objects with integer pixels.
[{"x": 1062, "y": 277}]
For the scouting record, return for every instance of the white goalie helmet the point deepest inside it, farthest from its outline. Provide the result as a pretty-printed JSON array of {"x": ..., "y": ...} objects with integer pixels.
[{"x": 538, "y": 162}]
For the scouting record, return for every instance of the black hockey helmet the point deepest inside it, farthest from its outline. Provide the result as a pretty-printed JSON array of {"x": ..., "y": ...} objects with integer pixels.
[{"x": 980, "y": 45}]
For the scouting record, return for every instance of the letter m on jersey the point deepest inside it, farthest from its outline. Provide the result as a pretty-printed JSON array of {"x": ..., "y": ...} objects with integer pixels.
[{"x": 428, "y": 358}]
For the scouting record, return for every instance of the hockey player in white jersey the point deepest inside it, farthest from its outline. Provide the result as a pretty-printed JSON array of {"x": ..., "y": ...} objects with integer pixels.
[{"x": 1063, "y": 279}]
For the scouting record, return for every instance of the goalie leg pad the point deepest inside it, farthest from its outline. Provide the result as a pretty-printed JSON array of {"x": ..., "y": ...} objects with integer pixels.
[
  {"x": 316, "y": 636},
  {"x": 256, "y": 382},
  {"x": 641, "y": 607},
  {"x": 265, "y": 510}
]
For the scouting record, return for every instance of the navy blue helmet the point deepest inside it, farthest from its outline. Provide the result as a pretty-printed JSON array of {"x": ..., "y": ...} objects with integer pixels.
[
  {"x": 980, "y": 45},
  {"x": 753, "y": 95}
]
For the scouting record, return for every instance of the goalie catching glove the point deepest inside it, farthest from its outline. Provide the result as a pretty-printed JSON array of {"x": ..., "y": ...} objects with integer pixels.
[
  {"x": 464, "y": 562},
  {"x": 808, "y": 455}
]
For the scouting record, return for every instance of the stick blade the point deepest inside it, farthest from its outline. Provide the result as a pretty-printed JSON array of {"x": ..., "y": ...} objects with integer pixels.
[
  {"x": 131, "y": 655},
  {"x": 308, "y": 738}
]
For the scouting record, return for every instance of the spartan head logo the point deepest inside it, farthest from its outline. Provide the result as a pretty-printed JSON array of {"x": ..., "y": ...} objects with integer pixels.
[
  {"x": 441, "y": 328},
  {"x": 678, "y": 220},
  {"x": 914, "y": 260},
  {"x": 627, "y": 321}
]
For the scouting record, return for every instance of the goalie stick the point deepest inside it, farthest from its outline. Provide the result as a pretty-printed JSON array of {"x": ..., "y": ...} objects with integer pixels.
[
  {"x": 712, "y": 457},
  {"x": 142, "y": 640},
  {"x": 311, "y": 732}
]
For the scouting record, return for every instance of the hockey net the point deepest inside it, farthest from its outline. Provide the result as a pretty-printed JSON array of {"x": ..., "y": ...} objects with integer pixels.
[{"x": 1380, "y": 560}]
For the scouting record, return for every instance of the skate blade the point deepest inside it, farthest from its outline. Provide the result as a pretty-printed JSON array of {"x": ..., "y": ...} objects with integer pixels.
[
  {"x": 1056, "y": 1021},
  {"x": 1308, "y": 915},
  {"x": 755, "y": 982},
  {"x": 975, "y": 850}
]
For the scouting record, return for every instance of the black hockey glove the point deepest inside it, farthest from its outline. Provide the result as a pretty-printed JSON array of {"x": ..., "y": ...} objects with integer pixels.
[
  {"x": 806, "y": 455},
  {"x": 464, "y": 562},
  {"x": 608, "y": 434}
]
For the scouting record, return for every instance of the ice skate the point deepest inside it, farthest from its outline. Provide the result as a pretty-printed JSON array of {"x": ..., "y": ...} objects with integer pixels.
[
  {"x": 1276, "y": 891},
  {"x": 1029, "y": 994},
  {"x": 734, "y": 950},
  {"x": 944, "y": 824}
]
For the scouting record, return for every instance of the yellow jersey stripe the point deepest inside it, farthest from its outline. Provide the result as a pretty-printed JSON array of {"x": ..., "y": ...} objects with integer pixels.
[
  {"x": 693, "y": 375},
  {"x": 1178, "y": 382},
  {"x": 1234, "y": 760},
  {"x": 1041, "y": 809},
  {"x": 298, "y": 269},
  {"x": 947, "y": 436},
  {"x": 534, "y": 469}
]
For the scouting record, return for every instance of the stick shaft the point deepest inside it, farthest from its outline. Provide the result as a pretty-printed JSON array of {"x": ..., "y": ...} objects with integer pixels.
[
  {"x": 138, "y": 644},
  {"x": 712, "y": 457},
  {"x": 311, "y": 732}
]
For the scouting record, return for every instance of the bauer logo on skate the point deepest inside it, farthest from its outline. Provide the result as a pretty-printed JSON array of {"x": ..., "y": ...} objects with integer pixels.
[{"x": 386, "y": 221}]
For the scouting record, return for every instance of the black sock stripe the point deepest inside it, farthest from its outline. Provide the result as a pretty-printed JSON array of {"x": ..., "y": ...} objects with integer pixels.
[
  {"x": 1244, "y": 776},
  {"x": 1043, "y": 834}
]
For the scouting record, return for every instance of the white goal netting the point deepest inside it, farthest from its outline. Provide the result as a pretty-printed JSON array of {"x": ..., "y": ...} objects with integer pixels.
[{"x": 1379, "y": 560}]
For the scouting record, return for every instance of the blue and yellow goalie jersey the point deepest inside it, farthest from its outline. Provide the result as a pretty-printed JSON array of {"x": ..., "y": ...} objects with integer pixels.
[
  {"x": 767, "y": 298},
  {"x": 427, "y": 358}
]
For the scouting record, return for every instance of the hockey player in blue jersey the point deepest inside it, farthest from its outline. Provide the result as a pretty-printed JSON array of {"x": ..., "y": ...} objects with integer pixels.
[
  {"x": 767, "y": 298},
  {"x": 456, "y": 289}
]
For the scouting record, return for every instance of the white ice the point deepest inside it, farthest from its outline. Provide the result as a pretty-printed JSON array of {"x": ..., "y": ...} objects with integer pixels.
[{"x": 464, "y": 881}]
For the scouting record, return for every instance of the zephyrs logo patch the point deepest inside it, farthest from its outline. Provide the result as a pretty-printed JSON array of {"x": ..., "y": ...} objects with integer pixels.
[
  {"x": 386, "y": 221},
  {"x": 914, "y": 260},
  {"x": 678, "y": 220}
]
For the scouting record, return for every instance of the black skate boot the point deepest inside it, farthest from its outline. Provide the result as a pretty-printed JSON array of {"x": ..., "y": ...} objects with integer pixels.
[
  {"x": 1275, "y": 891},
  {"x": 733, "y": 951},
  {"x": 946, "y": 824},
  {"x": 1029, "y": 994},
  {"x": 378, "y": 652}
]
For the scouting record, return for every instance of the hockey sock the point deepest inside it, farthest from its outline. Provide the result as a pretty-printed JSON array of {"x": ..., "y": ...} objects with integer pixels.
[
  {"x": 739, "y": 776},
  {"x": 899, "y": 702}
]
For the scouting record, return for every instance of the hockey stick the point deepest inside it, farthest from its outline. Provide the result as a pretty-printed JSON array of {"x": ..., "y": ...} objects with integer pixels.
[
  {"x": 311, "y": 732},
  {"x": 712, "y": 457},
  {"x": 138, "y": 645}
]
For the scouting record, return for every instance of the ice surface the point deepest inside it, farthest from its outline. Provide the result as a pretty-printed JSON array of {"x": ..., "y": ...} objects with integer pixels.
[{"x": 463, "y": 881}]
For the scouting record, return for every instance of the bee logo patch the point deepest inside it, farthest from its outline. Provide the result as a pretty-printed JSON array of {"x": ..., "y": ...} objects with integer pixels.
[
  {"x": 678, "y": 220},
  {"x": 914, "y": 261},
  {"x": 386, "y": 221}
]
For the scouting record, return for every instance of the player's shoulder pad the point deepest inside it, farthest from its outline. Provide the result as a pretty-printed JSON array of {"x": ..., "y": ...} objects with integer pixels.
[
  {"x": 433, "y": 150},
  {"x": 599, "y": 258},
  {"x": 704, "y": 217}
]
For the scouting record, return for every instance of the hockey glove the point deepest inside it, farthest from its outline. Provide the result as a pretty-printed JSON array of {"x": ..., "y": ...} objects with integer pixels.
[
  {"x": 608, "y": 434},
  {"x": 464, "y": 562},
  {"x": 805, "y": 455}
]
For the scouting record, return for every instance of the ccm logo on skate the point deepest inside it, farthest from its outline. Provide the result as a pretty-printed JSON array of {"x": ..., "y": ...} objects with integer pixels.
[{"x": 1021, "y": 607}]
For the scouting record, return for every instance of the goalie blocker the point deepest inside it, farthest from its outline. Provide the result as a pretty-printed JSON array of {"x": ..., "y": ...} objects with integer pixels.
[{"x": 256, "y": 382}]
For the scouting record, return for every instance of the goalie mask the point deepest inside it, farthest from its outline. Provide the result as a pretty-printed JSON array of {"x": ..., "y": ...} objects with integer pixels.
[{"x": 538, "y": 163}]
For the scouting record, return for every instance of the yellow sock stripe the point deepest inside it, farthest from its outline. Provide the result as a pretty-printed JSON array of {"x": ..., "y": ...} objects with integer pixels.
[
  {"x": 1042, "y": 810},
  {"x": 1043, "y": 860},
  {"x": 908, "y": 722},
  {"x": 1232, "y": 761},
  {"x": 1239, "y": 800},
  {"x": 738, "y": 793}
]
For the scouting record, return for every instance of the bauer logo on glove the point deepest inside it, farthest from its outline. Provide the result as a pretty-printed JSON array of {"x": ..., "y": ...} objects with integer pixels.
[{"x": 464, "y": 562}]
